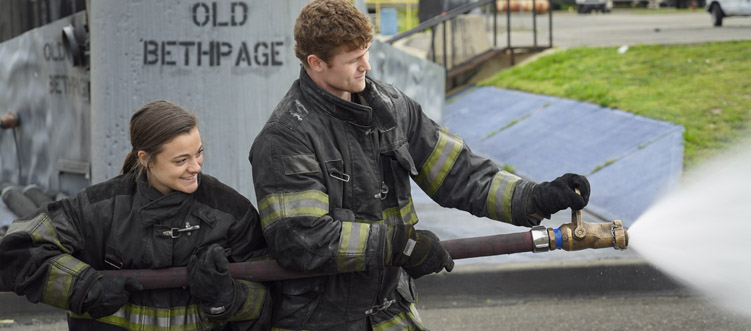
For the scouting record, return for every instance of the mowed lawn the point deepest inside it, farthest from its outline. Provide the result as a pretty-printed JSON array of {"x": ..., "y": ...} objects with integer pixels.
[{"x": 704, "y": 87}]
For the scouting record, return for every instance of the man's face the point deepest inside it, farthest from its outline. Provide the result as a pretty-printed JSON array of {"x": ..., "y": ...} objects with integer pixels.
[{"x": 346, "y": 73}]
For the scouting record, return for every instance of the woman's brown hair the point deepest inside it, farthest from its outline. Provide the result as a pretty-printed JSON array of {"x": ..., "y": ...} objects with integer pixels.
[{"x": 152, "y": 126}]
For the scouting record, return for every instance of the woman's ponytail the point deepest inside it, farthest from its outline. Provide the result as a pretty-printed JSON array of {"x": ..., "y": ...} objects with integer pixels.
[{"x": 130, "y": 164}]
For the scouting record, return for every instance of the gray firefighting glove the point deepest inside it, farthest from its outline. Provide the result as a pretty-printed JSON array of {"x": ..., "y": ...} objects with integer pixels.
[
  {"x": 550, "y": 197},
  {"x": 108, "y": 294},
  {"x": 210, "y": 282},
  {"x": 419, "y": 252}
]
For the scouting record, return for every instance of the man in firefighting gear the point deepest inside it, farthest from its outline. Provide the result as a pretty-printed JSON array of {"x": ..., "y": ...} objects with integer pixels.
[
  {"x": 331, "y": 171},
  {"x": 161, "y": 212}
]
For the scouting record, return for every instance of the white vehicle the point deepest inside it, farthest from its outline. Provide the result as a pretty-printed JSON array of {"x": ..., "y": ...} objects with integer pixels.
[{"x": 724, "y": 8}]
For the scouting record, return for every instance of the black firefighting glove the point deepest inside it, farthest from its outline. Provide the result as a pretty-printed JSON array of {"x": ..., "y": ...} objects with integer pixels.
[
  {"x": 210, "y": 282},
  {"x": 108, "y": 294},
  {"x": 419, "y": 252},
  {"x": 550, "y": 197}
]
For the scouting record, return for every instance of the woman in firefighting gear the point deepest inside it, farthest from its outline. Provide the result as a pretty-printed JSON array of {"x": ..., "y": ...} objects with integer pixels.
[
  {"x": 160, "y": 212},
  {"x": 332, "y": 171}
]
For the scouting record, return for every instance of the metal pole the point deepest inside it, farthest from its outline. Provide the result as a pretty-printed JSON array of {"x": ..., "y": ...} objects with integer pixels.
[
  {"x": 445, "y": 63},
  {"x": 534, "y": 22},
  {"x": 508, "y": 24},
  {"x": 550, "y": 25},
  {"x": 453, "y": 45},
  {"x": 508, "y": 31},
  {"x": 495, "y": 24},
  {"x": 432, "y": 42}
]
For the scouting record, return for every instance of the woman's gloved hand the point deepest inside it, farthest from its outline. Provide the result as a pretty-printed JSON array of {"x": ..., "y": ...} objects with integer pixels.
[
  {"x": 419, "y": 252},
  {"x": 108, "y": 294},
  {"x": 210, "y": 281},
  {"x": 550, "y": 197}
]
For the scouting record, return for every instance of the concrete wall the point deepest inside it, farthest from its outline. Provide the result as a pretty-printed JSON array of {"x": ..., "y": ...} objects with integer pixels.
[
  {"x": 420, "y": 79},
  {"x": 228, "y": 62}
]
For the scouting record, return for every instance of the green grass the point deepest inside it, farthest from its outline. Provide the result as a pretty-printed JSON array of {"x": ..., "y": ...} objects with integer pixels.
[
  {"x": 706, "y": 88},
  {"x": 401, "y": 18},
  {"x": 646, "y": 11},
  {"x": 509, "y": 168}
]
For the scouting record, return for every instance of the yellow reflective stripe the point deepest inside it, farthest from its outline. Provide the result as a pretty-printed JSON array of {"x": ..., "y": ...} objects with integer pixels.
[
  {"x": 40, "y": 229},
  {"x": 409, "y": 320},
  {"x": 415, "y": 317},
  {"x": 440, "y": 161},
  {"x": 62, "y": 273},
  {"x": 135, "y": 317},
  {"x": 392, "y": 216},
  {"x": 403, "y": 215},
  {"x": 251, "y": 309},
  {"x": 399, "y": 322},
  {"x": 277, "y": 206},
  {"x": 408, "y": 213},
  {"x": 352, "y": 241},
  {"x": 499, "y": 196}
]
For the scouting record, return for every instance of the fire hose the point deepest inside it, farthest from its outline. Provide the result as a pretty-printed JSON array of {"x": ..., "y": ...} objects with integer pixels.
[{"x": 573, "y": 236}]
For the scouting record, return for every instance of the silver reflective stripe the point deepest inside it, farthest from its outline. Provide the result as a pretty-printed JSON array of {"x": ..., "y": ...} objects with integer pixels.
[
  {"x": 135, "y": 317},
  {"x": 440, "y": 162},
  {"x": 352, "y": 241},
  {"x": 403, "y": 215},
  {"x": 499, "y": 196},
  {"x": 273, "y": 207},
  {"x": 409, "y": 216}
]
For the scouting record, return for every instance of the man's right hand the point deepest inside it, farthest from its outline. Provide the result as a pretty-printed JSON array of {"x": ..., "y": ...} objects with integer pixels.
[
  {"x": 550, "y": 197},
  {"x": 419, "y": 252}
]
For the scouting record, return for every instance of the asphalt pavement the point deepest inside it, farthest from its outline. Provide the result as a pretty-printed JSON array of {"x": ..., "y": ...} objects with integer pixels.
[{"x": 621, "y": 27}]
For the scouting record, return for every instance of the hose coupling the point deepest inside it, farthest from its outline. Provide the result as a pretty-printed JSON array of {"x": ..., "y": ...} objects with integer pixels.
[{"x": 540, "y": 239}]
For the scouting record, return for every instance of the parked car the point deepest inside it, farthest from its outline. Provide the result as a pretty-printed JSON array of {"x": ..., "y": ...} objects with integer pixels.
[
  {"x": 724, "y": 8},
  {"x": 587, "y": 6}
]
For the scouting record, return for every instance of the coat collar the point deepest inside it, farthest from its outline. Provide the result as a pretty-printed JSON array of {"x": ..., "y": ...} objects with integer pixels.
[
  {"x": 376, "y": 110},
  {"x": 156, "y": 207}
]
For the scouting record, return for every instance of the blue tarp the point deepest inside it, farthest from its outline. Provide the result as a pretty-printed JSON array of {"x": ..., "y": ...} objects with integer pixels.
[{"x": 629, "y": 160}]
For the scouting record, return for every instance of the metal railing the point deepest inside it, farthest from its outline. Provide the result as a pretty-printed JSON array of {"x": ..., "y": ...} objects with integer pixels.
[{"x": 432, "y": 24}]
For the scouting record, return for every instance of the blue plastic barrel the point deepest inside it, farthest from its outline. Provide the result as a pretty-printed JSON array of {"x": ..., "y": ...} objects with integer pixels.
[{"x": 389, "y": 25}]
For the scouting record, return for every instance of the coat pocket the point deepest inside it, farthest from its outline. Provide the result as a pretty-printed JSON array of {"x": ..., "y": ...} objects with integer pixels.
[
  {"x": 300, "y": 164},
  {"x": 406, "y": 287},
  {"x": 300, "y": 298}
]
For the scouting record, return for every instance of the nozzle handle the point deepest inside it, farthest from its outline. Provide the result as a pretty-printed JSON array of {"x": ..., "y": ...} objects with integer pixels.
[{"x": 576, "y": 218}]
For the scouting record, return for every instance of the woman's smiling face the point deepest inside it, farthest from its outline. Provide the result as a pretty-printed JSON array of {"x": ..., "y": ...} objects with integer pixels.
[{"x": 176, "y": 167}]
